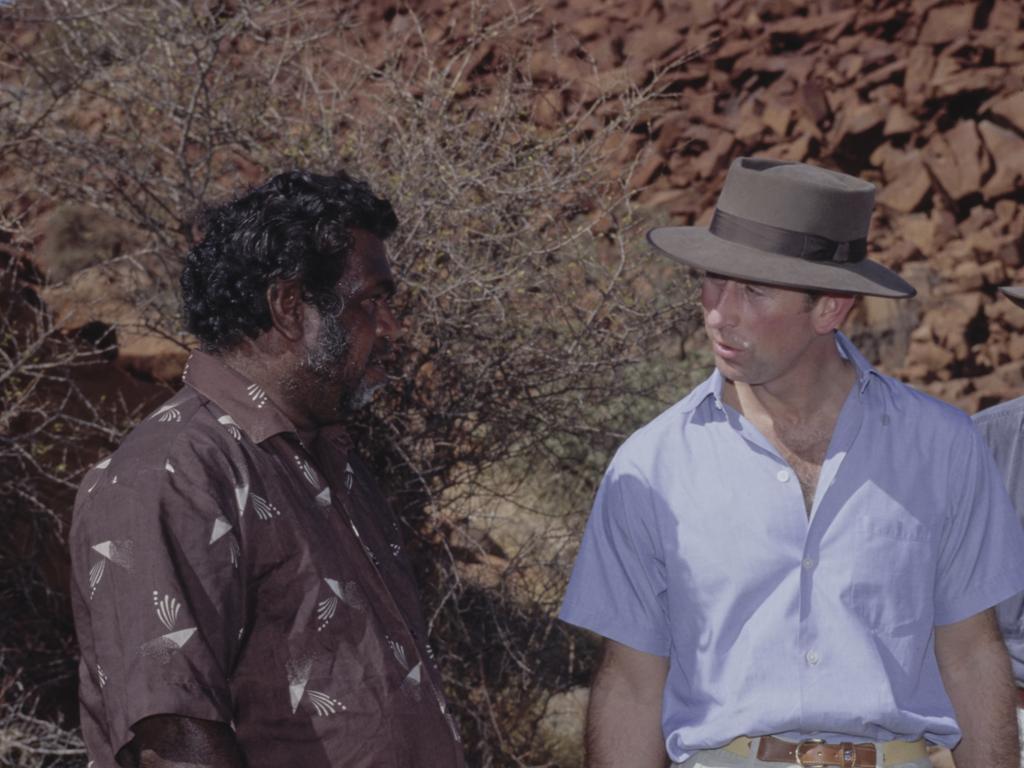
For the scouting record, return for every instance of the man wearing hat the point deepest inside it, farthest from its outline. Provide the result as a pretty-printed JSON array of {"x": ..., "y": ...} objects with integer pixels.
[
  {"x": 1002, "y": 426},
  {"x": 796, "y": 563}
]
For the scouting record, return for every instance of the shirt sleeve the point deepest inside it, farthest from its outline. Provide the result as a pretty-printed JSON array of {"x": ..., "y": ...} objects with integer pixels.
[
  {"x": 980, "y": 561},
  {"x": 618, "y": 586},
  {"x": 159, "y": 598}
]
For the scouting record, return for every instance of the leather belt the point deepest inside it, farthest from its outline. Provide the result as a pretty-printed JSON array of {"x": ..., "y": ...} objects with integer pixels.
[{"x": 815, "y": 753}]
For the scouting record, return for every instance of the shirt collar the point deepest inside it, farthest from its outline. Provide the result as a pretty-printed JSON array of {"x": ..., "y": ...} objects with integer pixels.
[
  {"x": 850, "y": 353},
  {"x": 243, "y": 400},
  {"x": 712, "y": 386}
]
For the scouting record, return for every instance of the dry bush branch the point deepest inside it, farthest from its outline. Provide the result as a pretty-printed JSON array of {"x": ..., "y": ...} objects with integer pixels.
[
  {"x": 538, "y": 331},
  {"x": 529, "y": 338},
  {"x": 56, "y": 415},
  {"x": 28, "y": 741}
]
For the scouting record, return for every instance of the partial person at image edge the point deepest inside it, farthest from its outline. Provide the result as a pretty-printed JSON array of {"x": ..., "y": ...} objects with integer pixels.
[{"x": 1002, "y": 426}]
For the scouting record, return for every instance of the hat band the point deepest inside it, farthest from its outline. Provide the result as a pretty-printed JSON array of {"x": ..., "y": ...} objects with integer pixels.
[{"x": 786, "y": 242}]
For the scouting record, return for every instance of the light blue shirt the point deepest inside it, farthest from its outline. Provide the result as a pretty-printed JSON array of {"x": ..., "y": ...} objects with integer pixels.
[
  {"x": 1002, "y": 426},
  {"x": 699, "y": 548}
]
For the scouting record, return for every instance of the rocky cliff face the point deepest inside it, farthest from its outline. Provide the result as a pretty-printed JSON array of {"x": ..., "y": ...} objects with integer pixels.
[
  {"x": 922, "y": 97},
  {"x": 925, "y": 98}
]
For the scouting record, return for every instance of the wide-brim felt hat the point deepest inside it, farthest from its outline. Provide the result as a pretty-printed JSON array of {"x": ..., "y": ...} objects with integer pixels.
[
  {"x": 788, "y": 224},
  {"x": 1014, "y": 294}
]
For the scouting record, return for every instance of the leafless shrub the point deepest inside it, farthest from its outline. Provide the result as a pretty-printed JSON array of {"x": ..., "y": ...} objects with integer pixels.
[
  {"x": 538, "y": 331},
  {"x": 50, "y": 428},
  {"x": 27, "y": 741}
]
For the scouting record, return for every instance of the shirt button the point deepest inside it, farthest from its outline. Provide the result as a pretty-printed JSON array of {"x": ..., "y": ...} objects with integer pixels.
[
  {"x": 718, "y": 404},
  {"x": 812, "y": 658},
  {"x": 782, "y": 475},
  {"x": 808, "y": 563}
]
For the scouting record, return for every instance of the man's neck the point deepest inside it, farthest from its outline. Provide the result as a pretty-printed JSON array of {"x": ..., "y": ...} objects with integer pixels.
[
  {"x": 798, "y": 412},
  {"x": 270, "y": 373},
  {"x": 816, "y": 389}
]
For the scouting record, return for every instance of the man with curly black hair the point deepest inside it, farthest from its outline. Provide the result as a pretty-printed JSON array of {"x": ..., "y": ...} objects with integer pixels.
[{"x": 241, "y": 593}]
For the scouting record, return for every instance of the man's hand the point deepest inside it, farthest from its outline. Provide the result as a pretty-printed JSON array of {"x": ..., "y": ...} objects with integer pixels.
[
  {"x": 624, "y": 714},
  {"x": 172, "y": 741},
  {"x": 976, "y": 672}
]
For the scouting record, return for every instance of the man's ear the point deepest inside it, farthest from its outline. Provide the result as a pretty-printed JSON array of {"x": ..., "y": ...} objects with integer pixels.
[
  {"x": 830, "y": 311},
  {"x": 284, "y": 298}
]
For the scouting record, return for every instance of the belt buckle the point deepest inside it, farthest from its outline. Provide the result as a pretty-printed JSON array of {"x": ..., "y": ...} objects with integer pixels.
[{"x": 800, "y": 757}]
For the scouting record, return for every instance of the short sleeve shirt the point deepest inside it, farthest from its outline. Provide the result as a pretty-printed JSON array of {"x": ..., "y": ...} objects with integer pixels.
[
  {"x": 223, "y": 570},
  {"x": 699, "y": 548},
  {"x": 1003, "y": 429}
]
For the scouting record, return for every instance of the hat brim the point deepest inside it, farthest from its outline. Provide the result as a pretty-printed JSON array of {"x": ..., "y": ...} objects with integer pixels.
[
  {"x": 698, "y": 247},
  {"x": 1014, "y": 294}
]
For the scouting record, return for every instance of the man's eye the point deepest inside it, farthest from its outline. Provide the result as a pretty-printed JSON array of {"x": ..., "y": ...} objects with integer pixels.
[{"x": 752, "y": 291}]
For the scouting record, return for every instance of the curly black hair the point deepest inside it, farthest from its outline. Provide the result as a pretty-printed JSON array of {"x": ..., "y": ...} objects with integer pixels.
[{"x": 297, "y": 225}]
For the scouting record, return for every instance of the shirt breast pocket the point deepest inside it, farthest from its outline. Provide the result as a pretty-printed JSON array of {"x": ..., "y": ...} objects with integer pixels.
[{"x": 894, "y": 572}]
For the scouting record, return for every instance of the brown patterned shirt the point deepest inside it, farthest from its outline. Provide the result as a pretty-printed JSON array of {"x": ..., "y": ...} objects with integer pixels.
[{"x": 223, "y": 570}]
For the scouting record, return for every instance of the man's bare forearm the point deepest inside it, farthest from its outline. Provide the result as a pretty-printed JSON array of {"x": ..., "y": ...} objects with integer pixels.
[
  {"x": 624, "y": 713},
  {"x": 172, "y": 741},
  {"x": 977, "y": 675}
]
